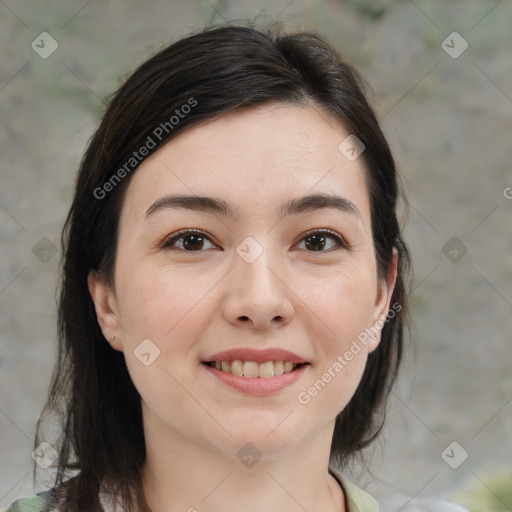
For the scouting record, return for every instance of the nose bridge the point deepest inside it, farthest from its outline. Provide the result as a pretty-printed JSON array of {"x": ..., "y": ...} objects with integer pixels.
[
  {"x": 257, "y": 267},
  {"x": 257, "y": 292}
]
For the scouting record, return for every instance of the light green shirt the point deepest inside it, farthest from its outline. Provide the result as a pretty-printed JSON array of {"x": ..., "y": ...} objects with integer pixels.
[{"x": 357, "y": 499}]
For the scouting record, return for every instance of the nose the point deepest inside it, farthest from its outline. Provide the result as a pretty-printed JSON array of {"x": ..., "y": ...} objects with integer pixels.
[{"x": 258, "y": 295}]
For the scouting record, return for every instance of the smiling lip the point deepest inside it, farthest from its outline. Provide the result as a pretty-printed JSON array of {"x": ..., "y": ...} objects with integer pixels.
[
  {"x": 257, "y": 385},
  {"x": 258, "y": 356}
]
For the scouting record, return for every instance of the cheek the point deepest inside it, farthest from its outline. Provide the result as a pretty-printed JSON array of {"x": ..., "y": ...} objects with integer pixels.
[
  {"x": 157, "y": 303},
  {"x": 344, "y": 305},
  {"x": 171, "y": 309},
  {"x": 155, "y": 306},
  {"x": 352, "y": 316},
  {"x": 342, "y": 302}
]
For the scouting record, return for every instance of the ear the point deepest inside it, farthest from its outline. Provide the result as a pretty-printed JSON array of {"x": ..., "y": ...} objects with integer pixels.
[
  {"x": 385, "y": 289},
  {"x": 106, "y": 309}
]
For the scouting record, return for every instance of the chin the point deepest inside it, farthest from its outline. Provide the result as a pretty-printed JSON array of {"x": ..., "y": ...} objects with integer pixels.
[{"x": 263, "y": 432}]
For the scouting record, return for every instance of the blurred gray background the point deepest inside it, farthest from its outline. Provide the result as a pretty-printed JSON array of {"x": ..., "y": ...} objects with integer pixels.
[{"x": 447, "y": 112}]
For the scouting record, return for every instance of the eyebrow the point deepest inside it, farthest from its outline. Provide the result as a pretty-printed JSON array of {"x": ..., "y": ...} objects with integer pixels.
[{"x": 218, "y": 206}]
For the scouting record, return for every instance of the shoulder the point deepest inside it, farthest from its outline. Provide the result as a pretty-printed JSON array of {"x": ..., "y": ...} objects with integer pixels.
[
  {"x": 396, "y": 502},
  {"x": 35, "y": 503},
  {"x": 360, "y": 501},
  {"x": 357, "y": 499}
]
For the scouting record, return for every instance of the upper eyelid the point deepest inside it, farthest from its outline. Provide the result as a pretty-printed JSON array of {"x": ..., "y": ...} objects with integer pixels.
[
  {"x": 180, "y": 234},
  {"x": 340, "y": 238}
]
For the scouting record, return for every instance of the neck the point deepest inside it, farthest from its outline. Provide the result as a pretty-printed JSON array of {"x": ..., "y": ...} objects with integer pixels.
[{"x": 180, "y": 475}]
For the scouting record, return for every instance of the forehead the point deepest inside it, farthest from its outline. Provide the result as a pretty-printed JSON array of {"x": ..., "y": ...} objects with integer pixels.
[{"x": 253, "y": 157}]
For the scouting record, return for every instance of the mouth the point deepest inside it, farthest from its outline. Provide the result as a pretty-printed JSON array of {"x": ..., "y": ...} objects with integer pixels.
[{"x": 253, "y": 369}]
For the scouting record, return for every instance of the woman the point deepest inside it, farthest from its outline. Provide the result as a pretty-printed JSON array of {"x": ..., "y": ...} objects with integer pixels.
[{"x": 233, "y": 297}]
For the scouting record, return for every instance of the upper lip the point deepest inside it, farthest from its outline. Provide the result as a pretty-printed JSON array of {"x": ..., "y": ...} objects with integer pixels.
[{"x": 256, "y": 355}]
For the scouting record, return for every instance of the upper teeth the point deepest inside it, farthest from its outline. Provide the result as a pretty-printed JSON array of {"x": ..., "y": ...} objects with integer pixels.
[{"x": 254, "y": 369}]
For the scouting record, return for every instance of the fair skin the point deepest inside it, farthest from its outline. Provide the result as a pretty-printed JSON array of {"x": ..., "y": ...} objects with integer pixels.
[{"x": 194, "y": 303}]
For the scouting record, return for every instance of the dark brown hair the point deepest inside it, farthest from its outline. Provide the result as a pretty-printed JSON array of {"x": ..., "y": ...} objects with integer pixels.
[{"x": 215, "y": 71}]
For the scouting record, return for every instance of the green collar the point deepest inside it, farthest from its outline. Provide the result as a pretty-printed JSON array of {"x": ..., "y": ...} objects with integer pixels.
[{"x": 357, "y": 499}]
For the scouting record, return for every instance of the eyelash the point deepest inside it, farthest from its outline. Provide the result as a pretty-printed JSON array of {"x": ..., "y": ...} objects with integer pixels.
[{"x": 168, "y": 241}]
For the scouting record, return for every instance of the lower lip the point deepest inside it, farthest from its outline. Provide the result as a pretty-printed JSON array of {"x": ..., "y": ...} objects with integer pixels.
[{"x": 258, "y": 385}]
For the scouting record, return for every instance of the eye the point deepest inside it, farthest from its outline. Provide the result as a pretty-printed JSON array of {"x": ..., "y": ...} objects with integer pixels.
[
  {"x": 318, "y": 240},
  {"x": 190, "y": 240},
  {"x": 194, "y": 240}
]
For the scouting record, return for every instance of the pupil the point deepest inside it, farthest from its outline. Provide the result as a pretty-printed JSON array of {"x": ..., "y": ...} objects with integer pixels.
[
  {"x": 314, "y": 242},
  {"x": 316, "y": 238},
  {"x": 197, "y": 242}
]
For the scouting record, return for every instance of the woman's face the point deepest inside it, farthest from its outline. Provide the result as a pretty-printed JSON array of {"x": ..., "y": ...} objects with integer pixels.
[{"x": 260, "y": 280}]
